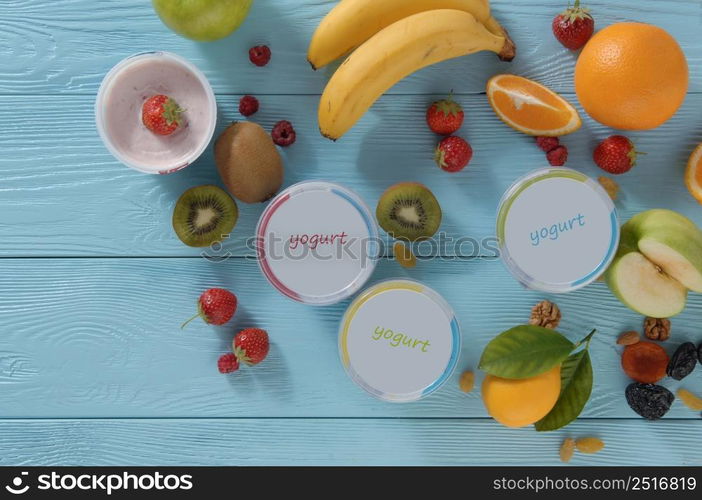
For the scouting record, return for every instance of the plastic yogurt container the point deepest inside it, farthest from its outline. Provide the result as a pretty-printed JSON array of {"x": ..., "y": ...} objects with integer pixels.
[
  {"x": 118, "y": 112},
  {"x": 317, "y": 242},
  {"x": 557, "y": 229},
  {"x": 399, "y": 340}
]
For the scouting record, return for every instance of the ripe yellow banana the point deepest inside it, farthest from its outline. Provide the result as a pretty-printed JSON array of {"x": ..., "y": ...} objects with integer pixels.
[
  {"x": 394, "y": 53},
  {"x": 352, "y": 22}
]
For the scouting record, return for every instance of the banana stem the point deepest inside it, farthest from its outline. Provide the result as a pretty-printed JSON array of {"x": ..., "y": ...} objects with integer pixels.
[{"x": 509, "y": 49}]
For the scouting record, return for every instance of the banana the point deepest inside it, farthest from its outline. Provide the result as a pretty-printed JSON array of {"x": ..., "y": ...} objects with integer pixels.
[
  {"x": 352, "y": 22},
  {"x": 394, "y": 53}
]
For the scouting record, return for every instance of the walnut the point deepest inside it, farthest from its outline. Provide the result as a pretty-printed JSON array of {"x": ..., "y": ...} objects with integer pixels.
[
  {"x": 657, "y": 328},
  {"x": 546, "y": 314}
]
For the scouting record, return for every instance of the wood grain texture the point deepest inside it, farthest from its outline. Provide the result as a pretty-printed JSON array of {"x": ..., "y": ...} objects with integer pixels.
[
  {"x": 62, "y": 194},
  {"x": 101, "y": 338},
  {"x": 53, "y": 47},
  {"x": 335, "y": 442},
  {"x": 94, "y": 369}
]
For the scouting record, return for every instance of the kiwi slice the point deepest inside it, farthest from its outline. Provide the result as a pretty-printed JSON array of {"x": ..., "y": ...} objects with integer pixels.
[
  {"x": 204, "y": 215},
  {"x": 409, "y": 211}
]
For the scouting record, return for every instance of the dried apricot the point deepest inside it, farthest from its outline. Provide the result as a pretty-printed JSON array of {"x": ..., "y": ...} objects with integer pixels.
[
  {"x": 645, "y": 362},
  {"x": 690, "y": 400},
  {"x": 589, "y": 445},
  {"x": 567, "y": 449}
]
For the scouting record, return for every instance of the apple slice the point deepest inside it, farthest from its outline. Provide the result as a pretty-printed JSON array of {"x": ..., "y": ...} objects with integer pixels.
[
  {"x": 676, "y": 264},
  {"x": 644, "y": 287},
  {"x": 672, "y": 242}
]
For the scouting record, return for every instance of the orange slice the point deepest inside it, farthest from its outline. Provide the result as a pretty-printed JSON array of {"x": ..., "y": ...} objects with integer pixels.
[
  {"x": 693, "y": 174},
  {"x": 530, "y": 107}
]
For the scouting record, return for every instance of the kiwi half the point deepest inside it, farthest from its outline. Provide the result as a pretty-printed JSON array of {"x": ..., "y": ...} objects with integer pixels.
[
  {"x": 204, "y": 215},
  {"x": 409, "y": 211}
]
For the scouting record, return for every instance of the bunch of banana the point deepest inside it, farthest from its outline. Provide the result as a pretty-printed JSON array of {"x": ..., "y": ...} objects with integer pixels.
[{"x": 394, "y": 38}]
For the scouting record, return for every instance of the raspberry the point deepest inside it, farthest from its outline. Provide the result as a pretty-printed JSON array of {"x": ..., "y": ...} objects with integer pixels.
[
  {"x": 283, "y": 133},
  {"x": 248, "y": 105},
  {"x": 227, "y": 363},
  {"x": 547, "y": 143},
  {"x": 260, "y": 55},
  {"x": 558, "y": 156}
]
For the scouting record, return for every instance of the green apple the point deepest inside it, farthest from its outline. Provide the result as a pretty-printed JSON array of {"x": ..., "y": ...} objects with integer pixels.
[
  {"x": 203, "y": 20},
  {"x": 658, "y": 260}
]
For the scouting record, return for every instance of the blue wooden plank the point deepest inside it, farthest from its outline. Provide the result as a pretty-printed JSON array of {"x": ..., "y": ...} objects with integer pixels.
[
  {"x": 63, "y": 194},
  {"x": 67, "y": 46},
  {"x": 336, "y": 442},
  {"x": 101, "y": 338}
]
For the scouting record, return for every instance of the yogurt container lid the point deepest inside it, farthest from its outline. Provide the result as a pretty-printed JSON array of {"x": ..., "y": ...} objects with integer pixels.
[
  {"x": 557, "y": 229},
  {"x": 399, "y": 340},
  {"x": 317, "y": 242}
]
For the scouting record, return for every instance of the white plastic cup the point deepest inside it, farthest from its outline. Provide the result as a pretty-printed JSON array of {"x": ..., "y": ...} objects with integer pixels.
[
  {"x": 317, "y": 243},
  {"x": 557, "y": 229},
  {"x": 100, "y": 118},
  {"x": 399, "y": 340}
]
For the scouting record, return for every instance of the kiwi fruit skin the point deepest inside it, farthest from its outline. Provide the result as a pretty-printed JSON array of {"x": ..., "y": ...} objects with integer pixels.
[
  {"x": 248, "y": 162},
  {"x": 209, "y": 198},
  {"x": 407, "y": 195}
]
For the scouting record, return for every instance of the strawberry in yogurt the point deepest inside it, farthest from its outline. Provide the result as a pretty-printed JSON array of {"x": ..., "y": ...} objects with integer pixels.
[{"x": 156, "y": 112}]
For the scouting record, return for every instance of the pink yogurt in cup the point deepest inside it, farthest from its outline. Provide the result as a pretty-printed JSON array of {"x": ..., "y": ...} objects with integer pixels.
[{"x": 118, "y": 112}]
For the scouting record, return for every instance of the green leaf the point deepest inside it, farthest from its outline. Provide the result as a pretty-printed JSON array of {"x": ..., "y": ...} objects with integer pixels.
[
  {"x": 524, "y": 351},
  {"x": 576, "y": 386}
]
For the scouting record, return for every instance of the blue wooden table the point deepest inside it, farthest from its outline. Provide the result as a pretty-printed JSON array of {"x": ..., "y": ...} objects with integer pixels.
[{"x": 94, "y": 283}]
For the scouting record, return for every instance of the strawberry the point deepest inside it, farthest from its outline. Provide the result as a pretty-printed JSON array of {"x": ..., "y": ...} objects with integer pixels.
[
  {"x": 558, "y": 156},
  {"x": 251, "y": 345},
  {"x": 215, "y": 306},
  {"x": 161, "y": 114},
  {"x": 453, "y": 154},
  {"x": 616, "y": 154},
  {"x": 445, "y": 117},
  {"x": 227, "y": 363},
  {"x": 573, "y": 27}
]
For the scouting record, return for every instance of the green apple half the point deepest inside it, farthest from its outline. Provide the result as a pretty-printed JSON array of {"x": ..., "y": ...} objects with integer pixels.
[
  {"x": 658, "y": 261},
  {"x": 203, "y": 20}
]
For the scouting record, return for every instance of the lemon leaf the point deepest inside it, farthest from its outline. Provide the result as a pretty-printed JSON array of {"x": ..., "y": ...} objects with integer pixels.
[
  {"x": 576, "y": 387},
  {"x": 525, "y": 351}
]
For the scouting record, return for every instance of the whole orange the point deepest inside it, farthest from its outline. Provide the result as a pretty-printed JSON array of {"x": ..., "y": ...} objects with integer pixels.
[{"x": 631, "y": 76}]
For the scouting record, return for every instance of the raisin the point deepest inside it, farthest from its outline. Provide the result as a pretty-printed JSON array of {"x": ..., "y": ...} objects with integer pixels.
[
  {"x": 589, "y": 445},
  {"x": 467, "y": 381},
  {"x": 648, "y": 400},
  {"x": 567, "y": 449},
  {"x": 690, "y": 400},
  {"x": 645, "y": 362},
  {"x": 683, "y": 361}
]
